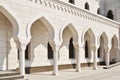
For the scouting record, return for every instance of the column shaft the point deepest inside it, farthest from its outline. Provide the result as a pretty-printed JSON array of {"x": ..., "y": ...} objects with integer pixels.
[
  {"x": 107, "y": 59},
  {"x": 22, "y": 60},
  {"x": 78, "y": 65},
  {"x": 95, "y": 59},
  {"x": 55, "y": 66}
]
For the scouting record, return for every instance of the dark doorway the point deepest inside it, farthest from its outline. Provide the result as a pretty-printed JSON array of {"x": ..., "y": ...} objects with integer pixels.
[
  {"x": 71, "y": 49},
  {"x": 72, "y": 1},
  {"x": 98, "y": 11},
  {"x": 110, "y": 15},
  {"x": 99, "y": 52},
  {"x": 86, "y": 49},
  {"x": 27, "y": 52},
  {"x": 87, "y": 6},
  {"x": 18, "y": 54},
  {"x": 50, "y": 51}
]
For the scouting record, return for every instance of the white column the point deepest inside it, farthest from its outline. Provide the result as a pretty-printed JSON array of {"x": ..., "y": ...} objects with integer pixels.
[
  {"x": 22, "y": 59},
  {"x": 78, "y": 65},
  {"x": 95, "y": 59},
  {"x": 55, "y": 66},
  {"x": 107, "y": 59}
]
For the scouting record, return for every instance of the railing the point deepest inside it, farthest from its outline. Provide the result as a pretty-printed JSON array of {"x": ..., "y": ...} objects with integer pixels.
[{"x": 74, "y": 10}]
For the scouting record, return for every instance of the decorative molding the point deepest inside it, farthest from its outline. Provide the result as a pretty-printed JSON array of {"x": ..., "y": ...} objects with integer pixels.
[{"x": 74, "y": 10}]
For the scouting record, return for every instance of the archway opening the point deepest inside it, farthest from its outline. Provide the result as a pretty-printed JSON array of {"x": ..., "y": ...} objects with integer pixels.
[
  {"x": 40, "y": 49},
  {"x": 67, "y": 51},
  {"x": 87, "y": 6},
  {"x": 98, "y": 11},
  {"x": 89, "y": 39},
  {"x": 41, "y": 35},
  {"x": 72, "y": 1},
  {"x": 114, "y": 51},
  {"x": 103, "y": 48},
  {"x": 8, "y": 49},
  {"x": 68, "y": 37},
  {"x": 89, "y": 43},
  {"x": 110, "y": 15}
]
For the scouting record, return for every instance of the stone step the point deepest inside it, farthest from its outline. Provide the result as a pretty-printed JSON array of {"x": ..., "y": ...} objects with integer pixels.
[
  {"x": 14, "y": 77},
  {"x": 113, "y": 65},
  {"x": 8, "y": 73}
]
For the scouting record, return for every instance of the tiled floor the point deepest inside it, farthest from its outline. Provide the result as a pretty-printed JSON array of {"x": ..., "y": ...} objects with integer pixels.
[{"x": 85, "y": 74}]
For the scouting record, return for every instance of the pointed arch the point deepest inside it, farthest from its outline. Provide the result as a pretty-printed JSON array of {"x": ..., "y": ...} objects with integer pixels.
[
  {"x": 105, "y": 38},
  {"x": 91, "y": 35},
  {"x": 115, "y": 41},
  {"x": 103, "y": 47},
  {"x": 114, "y": 50},
  {"x": 45, "y": 22},
  {"x": 69, "y": 36},
  {"x": 89, "y": 40},
  {"x": 12, "y": 17},
  {"x": 72, "y": 29},
  {"x": 10, "y": 28}
]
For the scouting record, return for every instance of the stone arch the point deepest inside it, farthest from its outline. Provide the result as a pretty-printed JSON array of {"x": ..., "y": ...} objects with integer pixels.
[
  {"x": 9, "y": 33},
  {"x": 46, "y": 23},
  {"x": 12, "y": 18},
  {"x": 41, "y": 35},
  {"x": 72, "y": 29},
  {"x": 89, "y": 42},
  {"x": 103, "y": 47},
  {"x": 91, "y": 34},
  {"x": 69, "y": 41},
  {"x": 105, "y": 39},
  {"x": 114, "y": 50},
  {"x": 115, "y": 41}
]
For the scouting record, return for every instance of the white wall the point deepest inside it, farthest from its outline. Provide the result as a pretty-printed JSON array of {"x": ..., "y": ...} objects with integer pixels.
[{"x": 59, "y": 18}]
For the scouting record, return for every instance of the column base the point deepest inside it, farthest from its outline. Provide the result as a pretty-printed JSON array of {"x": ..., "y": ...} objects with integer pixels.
[
  {"x": 78, "y": 70},
  {"x": 95, "y": 68},
  {"x": 55, "y": 74}
]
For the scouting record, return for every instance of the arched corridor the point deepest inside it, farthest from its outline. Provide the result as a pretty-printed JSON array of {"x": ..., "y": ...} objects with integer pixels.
[
  {"x": 8, "y": 46},
  {"x": 89, "y": 43},
  {"x": 40, "y": 38},
  {"x": 67, "y": 51},
  {"x": 103, "y": 47},
  {"x": 40, "y": 46},
  {"x": 89, "y": 40},
  {"x": 50, "y": 35},
  {"x": 114, "y": 50}
]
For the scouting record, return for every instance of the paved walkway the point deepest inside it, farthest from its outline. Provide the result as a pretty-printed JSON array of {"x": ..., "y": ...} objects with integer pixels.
[{"x": 85, "y": 74}]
